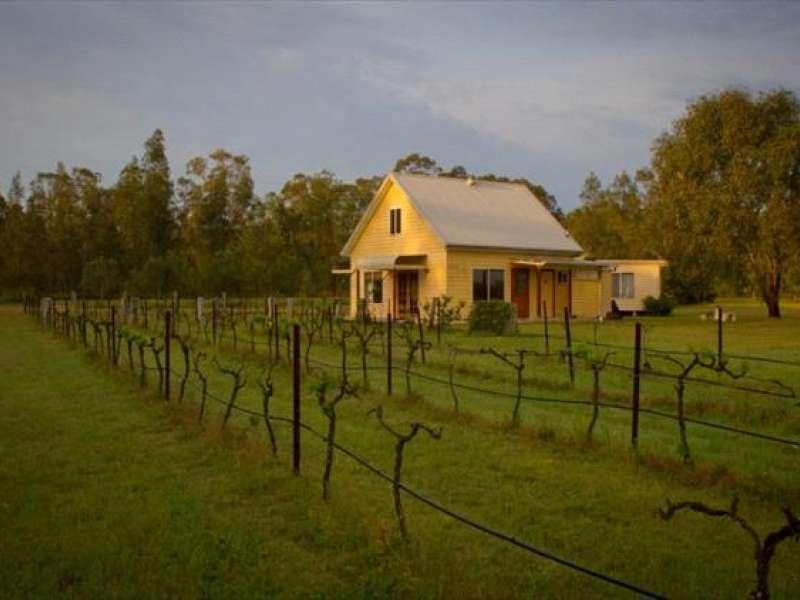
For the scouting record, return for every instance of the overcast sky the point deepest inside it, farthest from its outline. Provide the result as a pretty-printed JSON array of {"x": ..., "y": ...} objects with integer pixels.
[{"x": 544, "y": 91}]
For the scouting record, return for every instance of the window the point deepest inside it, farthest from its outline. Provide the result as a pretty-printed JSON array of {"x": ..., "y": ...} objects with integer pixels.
[
  {"x": 373, "y": 287},
  {"x": 488, "y": 284},
  {"x": 394, "y": 220},
  {"x": 563, "y": 277},
  {"x": 622, "y": 285}
]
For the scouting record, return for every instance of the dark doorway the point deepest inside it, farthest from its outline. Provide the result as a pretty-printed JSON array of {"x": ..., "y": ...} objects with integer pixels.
[{"x": 521, "y": 292}]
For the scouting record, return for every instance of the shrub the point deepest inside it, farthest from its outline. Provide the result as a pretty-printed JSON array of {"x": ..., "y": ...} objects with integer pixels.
[
  {"x": 660, "y": 307},
  {"x": 493, "y": 316},
  {"x": 442, "y": 311}
]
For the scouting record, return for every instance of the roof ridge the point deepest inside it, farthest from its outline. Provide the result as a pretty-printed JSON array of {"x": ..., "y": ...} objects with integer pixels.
[{"x": 441, "y": 177}]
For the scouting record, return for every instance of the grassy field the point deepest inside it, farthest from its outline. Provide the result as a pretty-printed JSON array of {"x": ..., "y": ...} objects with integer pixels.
[{"x": 108, "y": 491}]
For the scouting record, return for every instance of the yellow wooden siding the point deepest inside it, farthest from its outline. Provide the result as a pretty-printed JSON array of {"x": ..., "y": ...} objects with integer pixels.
[
  {"x": 548, "y": 277},
  {"x": 415, "y": 237},
  {"x": 585, "y": 298},
  {"x": 461, "y": 263}
]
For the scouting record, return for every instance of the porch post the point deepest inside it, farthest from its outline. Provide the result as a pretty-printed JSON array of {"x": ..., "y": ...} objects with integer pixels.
[
  {"x": 569, "y": 290},
  {"x": 538, "y": 292}
]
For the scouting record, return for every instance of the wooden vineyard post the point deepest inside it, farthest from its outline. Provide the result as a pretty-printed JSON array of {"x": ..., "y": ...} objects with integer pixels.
[
  {"x": 167, "y": 344},
  {"x": 719, "y": 335},
  {"x": 214, "y": 321},
  {"x": 546, "y": 330},
  {"x": 276, "y": 335},
  {"x": 114, "y": 335},
  {"x": 83, "y": 323},
  {"x": 438, "y": 322},
  {"x": 637, "y": 367},
  {"x": 176, "y": 312},
  {"x": 388, "y": 353},
  {"x": 568, "y": 335},
  {"x": 296, "y": 398},
  {"x": 421, "y": 335},
  {"x": 330, "y": 324}
]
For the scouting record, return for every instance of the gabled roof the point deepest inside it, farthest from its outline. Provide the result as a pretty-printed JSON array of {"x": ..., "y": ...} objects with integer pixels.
[{"x": 483, "y": 214}]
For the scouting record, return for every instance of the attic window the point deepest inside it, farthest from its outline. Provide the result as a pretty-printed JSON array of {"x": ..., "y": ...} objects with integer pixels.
[{"x": 394, "y": 221}]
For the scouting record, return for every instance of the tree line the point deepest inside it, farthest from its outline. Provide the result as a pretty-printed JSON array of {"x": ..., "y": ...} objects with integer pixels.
[
  {"x": 720, "y": 200},
  {"x": 206, "y": 231}
]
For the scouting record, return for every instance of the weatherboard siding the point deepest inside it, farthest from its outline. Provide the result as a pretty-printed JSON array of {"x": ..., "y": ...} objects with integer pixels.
[
  {"x": 416, "y": 237},
  {"x": 586, "y": 297}
]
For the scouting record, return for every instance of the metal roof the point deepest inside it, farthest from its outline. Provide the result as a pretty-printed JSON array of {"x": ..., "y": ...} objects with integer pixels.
[{"x": 474, "y": 213}]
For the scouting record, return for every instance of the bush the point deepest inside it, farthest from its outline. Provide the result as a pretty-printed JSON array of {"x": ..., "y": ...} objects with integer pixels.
[
  {"x": 442, "y": 311},
  {"x": 659, "y": 307},
  {"x": 493, "y": 316}
]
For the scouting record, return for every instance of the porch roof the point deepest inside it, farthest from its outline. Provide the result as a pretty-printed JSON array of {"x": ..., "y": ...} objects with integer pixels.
[
  {"x": 545, "y": 262},
  {"x": 401, "y": 262}
]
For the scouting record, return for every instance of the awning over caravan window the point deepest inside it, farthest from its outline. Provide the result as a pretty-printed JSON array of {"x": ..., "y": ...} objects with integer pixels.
[{"x": 392, "y": 263}]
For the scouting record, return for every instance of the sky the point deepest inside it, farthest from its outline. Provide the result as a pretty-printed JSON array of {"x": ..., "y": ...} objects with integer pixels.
[{"x": 547, "y": 91}]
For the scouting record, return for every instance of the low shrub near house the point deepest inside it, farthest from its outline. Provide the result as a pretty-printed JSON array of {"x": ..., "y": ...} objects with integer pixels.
[
  {"x": 442, "y": 311},
  {"x": 660, "y": 307},
  {"x": 493, "y": 316}
]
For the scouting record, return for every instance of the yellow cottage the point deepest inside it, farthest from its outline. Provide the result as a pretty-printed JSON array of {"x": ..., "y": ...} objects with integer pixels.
[{"x": 424, "y": 236}]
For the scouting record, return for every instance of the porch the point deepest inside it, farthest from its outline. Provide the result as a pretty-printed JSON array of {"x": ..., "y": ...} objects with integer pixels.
[
  {"x": 390, "y": 285},
  {"x": 547, "y": 286}
]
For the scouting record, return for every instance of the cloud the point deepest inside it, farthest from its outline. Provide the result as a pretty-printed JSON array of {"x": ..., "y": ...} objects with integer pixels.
[{"x": 543, "y": 90}]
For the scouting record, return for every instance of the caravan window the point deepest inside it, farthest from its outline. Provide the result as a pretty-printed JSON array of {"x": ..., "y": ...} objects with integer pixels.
[{"x": 622, "y": 285}]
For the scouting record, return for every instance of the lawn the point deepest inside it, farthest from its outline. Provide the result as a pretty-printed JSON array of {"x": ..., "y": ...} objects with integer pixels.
[{"x": 109, "y": 491}]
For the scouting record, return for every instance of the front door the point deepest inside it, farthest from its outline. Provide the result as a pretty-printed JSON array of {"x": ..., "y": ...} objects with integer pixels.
[
  {"x": 520, "y": 292},
  {"x": 406, "y": 294}
]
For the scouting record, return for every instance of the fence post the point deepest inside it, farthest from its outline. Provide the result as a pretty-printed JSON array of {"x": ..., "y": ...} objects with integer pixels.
[
  {"x": 421, "y": 335},
  {"x": 214, "y": 321},
  {"x": 389, "y": 353},
  {"x": 568, "y": 335},
  {"x": 637, "y": 366},
  {"x": 546, "y": 330},
  {"x": 83, "y": 323},
  {"x": 438, "y": 321},
  {"x": 276, "y": 335},
  {"x": 114, "y": 335},
  {"x": 167, "y": 344},
  {"x": 296, "y": 398},
  {"x": 719, "y": 335}
]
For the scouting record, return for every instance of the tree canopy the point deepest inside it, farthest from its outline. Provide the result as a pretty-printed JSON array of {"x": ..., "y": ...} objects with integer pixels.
[{"x": 720, "y": 199}]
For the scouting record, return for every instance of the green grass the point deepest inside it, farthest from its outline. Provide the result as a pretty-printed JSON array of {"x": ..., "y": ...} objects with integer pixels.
[{"x": 109, "y": 492}]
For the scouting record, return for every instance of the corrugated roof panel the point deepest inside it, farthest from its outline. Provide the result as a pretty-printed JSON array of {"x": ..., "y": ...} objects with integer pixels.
[{"x": 486, "y": 214}]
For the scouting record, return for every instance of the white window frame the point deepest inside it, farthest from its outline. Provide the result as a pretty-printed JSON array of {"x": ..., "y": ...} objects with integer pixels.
[
  {"x": 618, "y": 287},
  {"x": 369, "y": 282}
]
